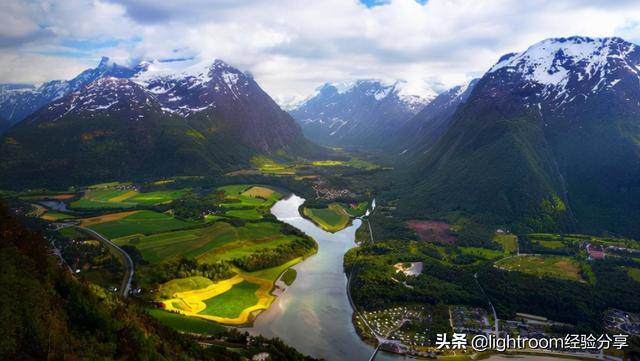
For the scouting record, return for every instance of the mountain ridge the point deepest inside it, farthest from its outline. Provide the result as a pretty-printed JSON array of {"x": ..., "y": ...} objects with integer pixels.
[
  {"x": 527, "y": 147},
  {"x": 357, "y": 113},
  {"x": 118, "y": 128}
]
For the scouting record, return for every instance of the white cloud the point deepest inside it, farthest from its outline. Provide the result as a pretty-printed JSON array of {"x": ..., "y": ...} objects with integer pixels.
[{"x": 291, "y": 46}]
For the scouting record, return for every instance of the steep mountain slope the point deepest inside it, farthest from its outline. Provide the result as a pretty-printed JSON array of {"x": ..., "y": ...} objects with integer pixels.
[
  {"x": 547, "y": 139},
  {"x": 218, "y": 89},
  {"x": 362, "y": 113},
  {"x": 419, "y": 133},
  {"x": 154, "y": 124},
  {"x": 19, "y": 101}
]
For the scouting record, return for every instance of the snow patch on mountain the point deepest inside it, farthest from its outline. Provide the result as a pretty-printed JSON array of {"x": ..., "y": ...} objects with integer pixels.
[{"x": 555, "y": 63}]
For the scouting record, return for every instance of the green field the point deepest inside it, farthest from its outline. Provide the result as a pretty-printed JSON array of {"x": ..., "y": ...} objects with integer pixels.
[
  {"x": 219, "y": 241},
  {"x": 574, "y": 238},
  {"x": 185, "y": 323},
  {"x": 332, "y": 219},
  {"x": 157, "y": 197},
  {"x": 232, "y": 302},
  {"x": 143, "y": 222},
  {"x": 634, "y": 273},
  {"x": 250, "y": 214},
  {"x": 244, "y": 196},
  {"x": 213, "y": 217},
  {"x": 481, "y": 252},
  {"x": 289, "y": 276},
  {"x": 357, "y": 210},
  {"x": 272, "y": 274},
  {"x": 110, "y": 198},
  {"x": 188, "y": 243},
  {"x": 551, "y": 244},
  {"x": 353, "y": 163},
  {"x": 543, "y": 266},
  {"x": 509, "y": 242},
  {"x": 269, "y": 166},
  {"x": 168, "y": 289}
]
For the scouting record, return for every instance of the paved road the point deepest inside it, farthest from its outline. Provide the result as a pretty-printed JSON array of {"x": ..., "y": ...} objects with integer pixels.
[{"x": 125, "y": 288}]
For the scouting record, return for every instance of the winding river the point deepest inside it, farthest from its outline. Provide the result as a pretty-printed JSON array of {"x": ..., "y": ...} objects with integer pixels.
[{"x": 313, "y": 314}]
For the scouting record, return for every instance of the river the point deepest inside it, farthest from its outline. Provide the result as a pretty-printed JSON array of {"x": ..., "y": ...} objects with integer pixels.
[{"x": 313, "y": 314}]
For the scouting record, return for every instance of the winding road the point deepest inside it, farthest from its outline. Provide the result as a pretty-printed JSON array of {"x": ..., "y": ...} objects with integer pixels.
[{"x": 125, "y": 288}]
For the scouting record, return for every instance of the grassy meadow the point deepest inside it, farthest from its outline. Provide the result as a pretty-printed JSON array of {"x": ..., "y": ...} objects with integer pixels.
[
  {"x": 332, "y": 219},
  {"x": 560, "y": 267},
  {"x": 113, "y": 198},
  {"x": 141, "y": 222}
]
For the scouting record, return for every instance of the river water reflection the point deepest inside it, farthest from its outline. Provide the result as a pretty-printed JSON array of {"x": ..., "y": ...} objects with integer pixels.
[{"x": 314, "y": 314}]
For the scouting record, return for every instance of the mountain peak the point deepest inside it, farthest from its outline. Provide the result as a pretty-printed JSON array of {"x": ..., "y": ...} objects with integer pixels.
[
  {"x": 567, "y": 69},
  {"x": 550, "y": 61},
  {"x": 104, "y": 62}
]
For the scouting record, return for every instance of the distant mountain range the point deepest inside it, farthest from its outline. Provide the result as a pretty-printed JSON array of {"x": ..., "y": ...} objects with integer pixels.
[
  {"x": 159, "y": 118},
  {"x": 549, "y": 138},
  {"x": 362, "y": 113},
  {"x": 17, "y": 101}
]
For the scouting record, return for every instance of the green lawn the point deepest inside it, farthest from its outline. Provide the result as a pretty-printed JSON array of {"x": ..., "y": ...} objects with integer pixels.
[
  {"x": 232, "y": 302},
  {"x": 331, "y": 219},
  {"x": 543, "y": 266},
  {"x": 143, "y": 222},
  {"x": 186, "y": 324}
]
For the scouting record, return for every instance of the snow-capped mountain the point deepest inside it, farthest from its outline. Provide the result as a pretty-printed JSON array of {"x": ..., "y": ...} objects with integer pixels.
[
  {"x": 206, "y": 88},
  {"x": 360, "y": 113},
  {"x": 548, "y": 136},
  {"x": 112, "y": 96},
  {"x": 568, "y": 71},
  {"x": 19, "y": 101},
  {"x": 173, "y": 118}
]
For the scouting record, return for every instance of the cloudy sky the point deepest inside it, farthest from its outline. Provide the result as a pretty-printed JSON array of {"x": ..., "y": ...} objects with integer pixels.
[{"x": 293, "y": 46}]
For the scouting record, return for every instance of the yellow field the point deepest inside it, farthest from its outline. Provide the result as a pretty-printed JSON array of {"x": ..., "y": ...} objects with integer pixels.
[
  {"x": 105, "y": 218},
  {"x": 191, "y": 303},
  {"x": 123, "y": 197},
  {"x": 260, "y": 192}
]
